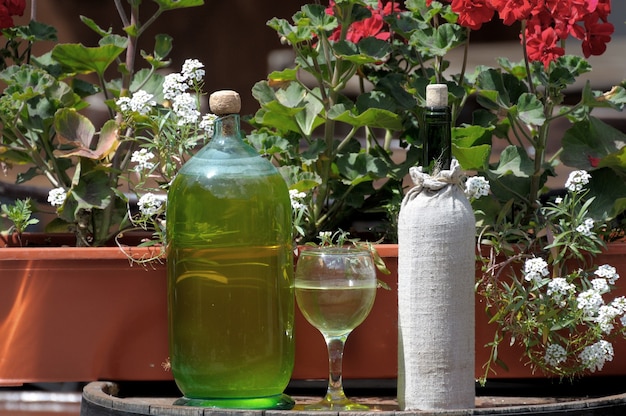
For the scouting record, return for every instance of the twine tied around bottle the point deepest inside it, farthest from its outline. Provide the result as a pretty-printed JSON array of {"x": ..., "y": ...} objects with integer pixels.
[{"x": 425, "y": 182}]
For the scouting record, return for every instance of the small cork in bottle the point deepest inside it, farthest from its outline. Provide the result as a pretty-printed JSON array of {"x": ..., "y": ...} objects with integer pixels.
[
  {"x": 225, "y": 102},
  {"x": 437, "y": 95}
]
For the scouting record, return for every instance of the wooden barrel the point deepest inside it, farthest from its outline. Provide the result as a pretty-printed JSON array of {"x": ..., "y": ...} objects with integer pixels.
[{"x": 101, "y": 399}]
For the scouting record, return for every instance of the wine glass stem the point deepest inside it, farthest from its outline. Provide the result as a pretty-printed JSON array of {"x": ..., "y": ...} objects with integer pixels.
[{"x": 335, "y": 363}]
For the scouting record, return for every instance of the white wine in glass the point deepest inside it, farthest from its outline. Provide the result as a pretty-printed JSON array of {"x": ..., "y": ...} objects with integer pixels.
[{"x": 335, "y": 290}]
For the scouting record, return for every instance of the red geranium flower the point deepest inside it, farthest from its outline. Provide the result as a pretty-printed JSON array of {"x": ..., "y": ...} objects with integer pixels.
[
  {"x": 473, "y": 13},
  {"x": 541, "y": 45},
  {"x": 597, "y": 35},
  {"x": 8, "y": 9},
  {"x": 511, "y": 11},
  {"x": 15, "y": 7},
  {"x": 370, "y": 27}
]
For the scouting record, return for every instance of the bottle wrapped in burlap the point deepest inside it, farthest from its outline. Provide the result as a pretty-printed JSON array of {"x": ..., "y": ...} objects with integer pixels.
[{"x": 436, "y": 266}]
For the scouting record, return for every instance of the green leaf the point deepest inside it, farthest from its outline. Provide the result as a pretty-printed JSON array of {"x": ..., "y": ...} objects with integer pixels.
[
  {"x": 75, "y": 133},
  {"x": 77, "y": 58},
  {"x": 515, "y": 161},
  {"x": 498, "y": 90},
  {"x": 609, "y": 191},
  {"x": 360, "y": 167},
  {"x": 315, "y": 16},
  {"x": 286, "y": 75},
  {"x": 95, "y": 27},
  {"x": 298, "y": 179},
  {"x": 91, "y": 190},
  {"x": 593, "y": 143},
  {"x": 368, "y": 50},
  {"x": 267, "y": 144},
  {"x": 472, "y": 158},
  {"x": 309, "y": 119},
  {"x": 177, "y": 4},
  {"x": 162, "y": 46},
  {"x": 372, "y": 117},
  {"x": 530, "y": 110}
]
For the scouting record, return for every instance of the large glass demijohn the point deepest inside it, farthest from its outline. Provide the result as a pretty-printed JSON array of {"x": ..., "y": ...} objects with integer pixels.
[{"x": 230, "y": 273}]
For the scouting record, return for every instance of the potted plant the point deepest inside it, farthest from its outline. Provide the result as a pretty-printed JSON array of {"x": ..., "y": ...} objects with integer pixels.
[
  {"x": 107, "y": 178},
  {"x": 358, "y": 86}
]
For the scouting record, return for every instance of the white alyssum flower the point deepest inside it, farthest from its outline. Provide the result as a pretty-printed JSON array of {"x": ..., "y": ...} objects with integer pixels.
[
  {"x": 559, "y": 289},
  {"x": 555, "y": 355},
  {"x": 594, "y": 356},
  {"x": 577, "y": 180},
  {"x": 535, "y": 269},
  {"x": 586, "y": 228},
  {"x": 608, "y": 272},
  {"x": 600, "y": 285},
  {"x": 297, "y": 199},
  {"x": 149, "y": 204},
  {"x": 173, "y": 85},
  {"x": 186, "y": 108},
  {"x": 141, "y": 102},
  {"x": 477, "y": 186},
  {"x": 558, "y": 200},
  {"x": 590, "y": 302},
  {"x": 142, "y": 158},
  {"x": 193, "y": 70},
  {"x": 605, "y": 318},
  {"x": 56, "y": 196},
  {"x": 619, "y": 303},
  {"x": 208, "y": 124}
]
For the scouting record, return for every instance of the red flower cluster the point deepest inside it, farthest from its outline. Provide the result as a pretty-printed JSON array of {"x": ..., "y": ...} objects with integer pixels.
[
  {"x": 8, "y": 9},
  {"x": 370, "y": 27},
  {"x": 547, "y": 23}
]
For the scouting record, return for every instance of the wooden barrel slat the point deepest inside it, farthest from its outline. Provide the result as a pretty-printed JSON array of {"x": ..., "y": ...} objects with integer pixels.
[{"x": 100, "y": 399}]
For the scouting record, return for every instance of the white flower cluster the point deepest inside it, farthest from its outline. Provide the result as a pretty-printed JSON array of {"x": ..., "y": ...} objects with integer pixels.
[
  {"x": 594, "y": 356},
  {"x": 297, "y": 199},
  {"x": 535, "y": 269},
  {"x": 142, "y": 158},
  {"x": 555, "y": 355},
  {"x": 175, "y": 89},
  {"x": 592, "y": 303},
  {"x": 208, "y": 124},
  {"x": 559, "y": 289},
  {"x": 141, "y": 102},
  {"x": 477, "y": 186},
  {"x": 577, "y": 180},
  {"x": 586, "y": 228},
  {"x": 56, "y": 197},
  {"x": 193, "y": 70},
  {"x": 608, "y": 272},
  {"x": 149, "y": 204}
]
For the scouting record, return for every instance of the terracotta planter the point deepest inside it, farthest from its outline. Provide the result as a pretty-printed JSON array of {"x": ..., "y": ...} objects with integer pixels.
[
  {"x": 79, "y": 314},
  {"x": 371, "y": 350},
  {"x": 84, "y": 314},
  {"x": 615, "y": 255}
]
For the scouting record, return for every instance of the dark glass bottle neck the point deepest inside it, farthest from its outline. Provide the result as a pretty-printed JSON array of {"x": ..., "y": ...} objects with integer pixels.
[{"x": 436, "y": 139}]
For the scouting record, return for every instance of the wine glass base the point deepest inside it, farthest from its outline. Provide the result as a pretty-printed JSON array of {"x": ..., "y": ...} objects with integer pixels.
[
  {"x": 336, "y": 405},
  {"x": 277, "y": 402}
]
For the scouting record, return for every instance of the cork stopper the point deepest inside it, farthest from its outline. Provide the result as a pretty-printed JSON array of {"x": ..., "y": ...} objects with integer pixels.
[
  {"x": 225, "y": 102},
  {"x": 437, "y": 95}
]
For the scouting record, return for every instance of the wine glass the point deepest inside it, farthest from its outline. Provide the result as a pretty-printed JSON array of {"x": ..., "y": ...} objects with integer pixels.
[{"x": 335, "y": 290}]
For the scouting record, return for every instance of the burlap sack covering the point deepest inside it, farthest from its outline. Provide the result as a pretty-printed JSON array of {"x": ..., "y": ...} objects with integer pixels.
[{"x": 436, "y": 264}]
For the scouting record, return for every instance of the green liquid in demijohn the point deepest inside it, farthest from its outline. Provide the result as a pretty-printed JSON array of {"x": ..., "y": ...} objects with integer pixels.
[{"x": 230, "y": 278}]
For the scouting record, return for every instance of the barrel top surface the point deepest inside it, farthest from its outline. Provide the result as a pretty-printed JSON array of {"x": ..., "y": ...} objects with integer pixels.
[{"x": 100, "y": 398}]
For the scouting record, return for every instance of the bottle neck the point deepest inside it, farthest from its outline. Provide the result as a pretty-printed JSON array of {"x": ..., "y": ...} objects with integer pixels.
[
  {"x": 437, "y": 139},
  {"x": 227, "y": 126}
]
